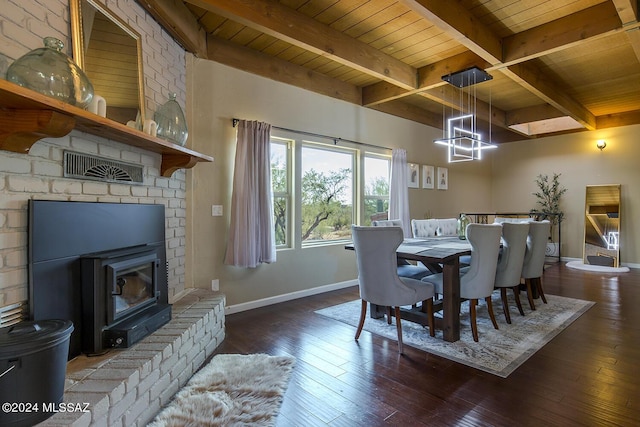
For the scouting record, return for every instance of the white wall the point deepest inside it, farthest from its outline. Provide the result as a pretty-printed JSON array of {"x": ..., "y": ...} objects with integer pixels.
[
  {"x": 575, "y": 156},
  {"x": 217, "y": 94}
]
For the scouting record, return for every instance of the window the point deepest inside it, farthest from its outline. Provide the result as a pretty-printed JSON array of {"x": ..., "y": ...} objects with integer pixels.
[
  {"x": 320, "y": 189},
  {"x": 376, "y": 188},
  {"x": 280, "y": 184},
  {"x": 327, "y": 193}
]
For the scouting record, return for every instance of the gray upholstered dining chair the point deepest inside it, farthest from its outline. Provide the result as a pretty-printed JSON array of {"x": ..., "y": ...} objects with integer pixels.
[
  {"x": 405, "y": 268},
  {"x": 477, "y": 280},
  {"x": 509, "y": 270},
  {"x": 378, "y": 278},
  {"x": 533, "y": 265}
]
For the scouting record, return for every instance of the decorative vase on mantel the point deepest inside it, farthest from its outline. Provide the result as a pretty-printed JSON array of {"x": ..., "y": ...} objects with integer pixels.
[
  {"x": 52, "y": 73},
  {"x": 170, "y": 121}
]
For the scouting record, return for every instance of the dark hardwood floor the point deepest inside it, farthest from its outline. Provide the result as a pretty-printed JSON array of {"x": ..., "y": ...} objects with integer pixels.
[{"x": 588, "y": 375}]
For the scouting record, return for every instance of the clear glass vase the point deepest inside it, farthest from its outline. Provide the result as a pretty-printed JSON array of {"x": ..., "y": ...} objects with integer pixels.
[
  {"x": 52, "y": 73},
  {"x": 171, "y": 123},
  {"x": 463, "y": 221}
]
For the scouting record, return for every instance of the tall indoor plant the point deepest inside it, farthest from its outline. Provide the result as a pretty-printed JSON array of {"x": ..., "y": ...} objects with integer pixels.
[{"x": 548, "y": 200}]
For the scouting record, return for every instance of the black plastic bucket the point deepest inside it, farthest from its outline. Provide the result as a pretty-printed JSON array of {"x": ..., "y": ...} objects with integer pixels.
[{"x": 33, "y": 364}]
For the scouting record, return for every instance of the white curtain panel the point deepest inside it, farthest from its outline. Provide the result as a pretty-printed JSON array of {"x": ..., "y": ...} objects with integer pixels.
[
  {"x": 399, "y": 189},
  {"x": 251, "y": 234}
]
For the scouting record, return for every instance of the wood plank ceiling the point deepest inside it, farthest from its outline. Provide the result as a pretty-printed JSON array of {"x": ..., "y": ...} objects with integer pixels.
[{"x": 558, "y": 66}]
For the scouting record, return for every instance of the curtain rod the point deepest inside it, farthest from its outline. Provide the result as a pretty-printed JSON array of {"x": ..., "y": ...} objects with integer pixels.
[{"x": 335, "y": 139}]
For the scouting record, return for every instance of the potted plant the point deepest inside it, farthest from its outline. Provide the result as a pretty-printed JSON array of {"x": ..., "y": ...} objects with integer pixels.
[{"x": 548, "y": 202}]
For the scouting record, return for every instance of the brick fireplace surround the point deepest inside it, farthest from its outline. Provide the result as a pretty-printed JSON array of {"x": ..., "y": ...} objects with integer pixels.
[
  {"x": 125, "y": 387},
  {"x": 128, "y": 387}
]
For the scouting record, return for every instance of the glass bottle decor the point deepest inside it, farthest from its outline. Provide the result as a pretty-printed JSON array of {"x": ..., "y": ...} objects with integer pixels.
[
  {"x": 463, "y": 221},
  {"x": 52, "y": 73},
  {"x": 171, "y": 124}
]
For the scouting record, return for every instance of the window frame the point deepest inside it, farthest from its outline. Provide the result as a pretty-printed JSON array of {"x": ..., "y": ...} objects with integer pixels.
[{"x": 295, "y": 142}]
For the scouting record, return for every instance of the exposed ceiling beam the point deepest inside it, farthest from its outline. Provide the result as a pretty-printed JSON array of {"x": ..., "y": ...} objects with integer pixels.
[
  {"x": 615, "y": 120},
  {"x": 537, "y": 83},
  {"x": 462, "y": 26},
  {"x": 628, "y": 11},
  {"x": 284, "y": 23},
  {"x": 249, "y": 60},
  {"x": 452, "y": 18},
  {"x": 178, "y": 20},
  {"x": 532, "y": 114},
  {"x": 449, "y": 97},
  {"x": 597, "y": 21},
  {"x": 429, "y": 77},
  {"x": 410, "y": 112}
]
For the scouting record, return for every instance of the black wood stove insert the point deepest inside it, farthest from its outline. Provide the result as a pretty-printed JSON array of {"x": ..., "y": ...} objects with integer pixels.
[{"x": 100, "y": 265}]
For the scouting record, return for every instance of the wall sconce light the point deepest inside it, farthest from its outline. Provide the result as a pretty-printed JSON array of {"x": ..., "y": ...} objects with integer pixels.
[{"x": 601, "y": 144}]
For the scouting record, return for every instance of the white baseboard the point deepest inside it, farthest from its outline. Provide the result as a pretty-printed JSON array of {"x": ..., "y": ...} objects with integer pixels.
[{"x": 237, "y": 308}]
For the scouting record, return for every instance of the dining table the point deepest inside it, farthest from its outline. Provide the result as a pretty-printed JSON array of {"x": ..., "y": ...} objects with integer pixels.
[{"x": 439, "y": 254}]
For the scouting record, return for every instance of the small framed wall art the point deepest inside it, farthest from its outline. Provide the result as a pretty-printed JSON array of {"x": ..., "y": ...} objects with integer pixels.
[
  {"x": 443, "y": 178},
  {"x": 414, "y": 175},
  {"x": 427, "y": 176}
]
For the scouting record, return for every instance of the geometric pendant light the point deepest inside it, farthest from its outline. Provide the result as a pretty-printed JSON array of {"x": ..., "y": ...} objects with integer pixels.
[{"x": 460, "y": 135}]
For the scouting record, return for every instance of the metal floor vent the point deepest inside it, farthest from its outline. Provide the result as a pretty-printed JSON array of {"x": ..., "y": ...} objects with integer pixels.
[{"x": 86, "y": 166}]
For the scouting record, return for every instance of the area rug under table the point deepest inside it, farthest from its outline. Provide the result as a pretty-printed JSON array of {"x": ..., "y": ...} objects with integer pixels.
[
  {"x": 498, "y": 352},
  {"x": 232, "y": 390}
]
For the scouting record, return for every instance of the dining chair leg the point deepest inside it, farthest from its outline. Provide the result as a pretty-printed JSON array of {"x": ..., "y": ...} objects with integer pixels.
[
  {"x": 430, "y": 318},
  {"x": 540, "y": 290},
  {"x": 472, "y": 318},
  {"x": 389, "y": 315},
  {"x": 363, "y": 313},
  {"x": 505, "y": 305},
  {"x": 530, "y": 294},
  {"x": 490, "y": 309},
  {"x": 399, "y": 328},
  {"x": 516, "y": 295}
]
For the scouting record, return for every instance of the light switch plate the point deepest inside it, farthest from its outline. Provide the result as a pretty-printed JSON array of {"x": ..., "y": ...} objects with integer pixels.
[{"x": 216, "y": 210}]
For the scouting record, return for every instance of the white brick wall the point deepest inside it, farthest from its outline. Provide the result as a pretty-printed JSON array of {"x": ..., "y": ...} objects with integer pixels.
[{"x": 23, "y": 25}]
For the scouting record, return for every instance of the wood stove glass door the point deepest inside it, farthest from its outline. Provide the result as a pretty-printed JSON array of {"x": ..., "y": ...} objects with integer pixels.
[{"x": 133, "y": 286}]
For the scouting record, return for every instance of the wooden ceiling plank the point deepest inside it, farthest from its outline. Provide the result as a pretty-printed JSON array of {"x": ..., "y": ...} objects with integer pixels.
[
  {"x": 461, "y": 25},
  {"x": 298, "y": 29},
  {"x": 249, "y": 60},
  {"x": 180, "y": 22},
  {"x": 536, "y": 82},
  {"x": 562, "y": 33}
]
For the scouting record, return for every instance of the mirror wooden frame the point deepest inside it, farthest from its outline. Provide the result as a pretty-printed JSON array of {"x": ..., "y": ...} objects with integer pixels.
[
  {"x": 79, "y": 40},
  {"x": 602, "y": 214}
]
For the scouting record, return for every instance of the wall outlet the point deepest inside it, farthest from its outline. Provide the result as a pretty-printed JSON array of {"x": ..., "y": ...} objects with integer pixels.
[
  {"x": 216, "y": 210},
  {"x": 215, "y": 285}
]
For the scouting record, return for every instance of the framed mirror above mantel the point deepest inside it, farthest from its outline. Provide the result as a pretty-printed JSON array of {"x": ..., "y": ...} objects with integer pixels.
[{"x": 109, "y": 51}]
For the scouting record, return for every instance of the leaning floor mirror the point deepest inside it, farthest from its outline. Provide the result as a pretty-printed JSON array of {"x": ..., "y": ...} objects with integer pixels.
[
  {"x": 110, "y": 53},
  {"x": 602, "y": 225}
]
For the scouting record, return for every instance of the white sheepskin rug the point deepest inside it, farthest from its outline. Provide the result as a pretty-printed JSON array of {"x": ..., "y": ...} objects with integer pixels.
[{"x": 232, "y": 390}]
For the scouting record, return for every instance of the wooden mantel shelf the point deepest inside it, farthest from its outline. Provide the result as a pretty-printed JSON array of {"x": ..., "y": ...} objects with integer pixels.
[{"x": 27, "y": 116}]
